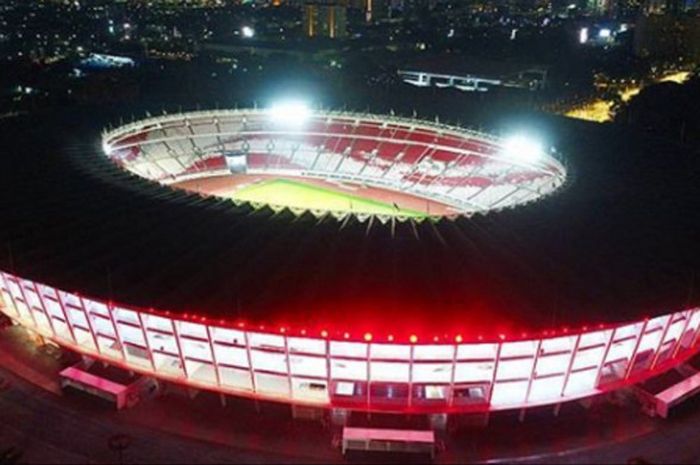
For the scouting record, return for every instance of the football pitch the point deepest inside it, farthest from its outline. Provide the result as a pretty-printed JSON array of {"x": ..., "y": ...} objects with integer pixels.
[{"x": 296, "y": 194}]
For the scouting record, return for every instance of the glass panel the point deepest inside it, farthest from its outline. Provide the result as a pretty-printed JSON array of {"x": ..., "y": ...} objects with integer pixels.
[
  {"x": 310, "y": 390},
  {"x": 308, "y": 366},
  {"x": 201, "y": 372},
  {"x": 157, "y": 322},
  {"x": 197, "y": 350},
  {"x": 229, "y": 336},
  {"x": 477, "y": 351},
  {"x": 236, "y": 378},
  {"x": 515, "y": 369},
  {"x": 195, "y": 330},
  {"x": 132, "y": 335},
  {"x": 269, "y": 361},
  {"x": 547, "y": 389},
  {"x": 163, "y": 342},
  {"x": 266, "y": 341},
  {"x": 390, "y": 351},
  {"x": 307, "y": 345},
  {"x": 549, "y": 365},
  {"x": 349, "y": 369},
  {"x": 349, "y": 349},
  {"x": 32, "y": 298},
  {"x": 581, "y": 382},
  {"x": 434, "y": 352},
  {"x": 390, "y": 371},
  {"x": 519, "y": 349},
  {"x": 559, "y": 344},
  {"x": 272, "y": 384},
  {"x": 168, "y": 364},
  {"x": 432, "y": 372},
  {"x": 589, "y": 358},
  {"x": 509, "y": 393},
  {"x": 227, "y": 355},
  {"x": 474, "y": 372}
]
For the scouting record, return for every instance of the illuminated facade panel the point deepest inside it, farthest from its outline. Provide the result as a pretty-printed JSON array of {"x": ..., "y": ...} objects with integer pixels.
[{"x": 447, "y": 376}]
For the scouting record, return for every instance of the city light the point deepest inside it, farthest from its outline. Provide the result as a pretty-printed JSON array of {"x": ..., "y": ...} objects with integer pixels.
[
  {"x": 605, "y": 33},
  {"x": 523, "y": 148},
  {"x": 583, "y": 35},
  {"x": 247, "y": 32},
  {"x": 290, "y": 113}
]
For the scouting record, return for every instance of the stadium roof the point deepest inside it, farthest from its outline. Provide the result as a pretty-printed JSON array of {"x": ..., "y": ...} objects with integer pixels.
[{"x": 618, "y": 242}]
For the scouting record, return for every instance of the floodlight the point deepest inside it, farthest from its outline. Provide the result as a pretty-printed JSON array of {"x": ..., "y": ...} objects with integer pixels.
[
  {"x": 521, "y": 147},
  {"x": 106, "y": 148},
  {"x": 290, "y": 113}
]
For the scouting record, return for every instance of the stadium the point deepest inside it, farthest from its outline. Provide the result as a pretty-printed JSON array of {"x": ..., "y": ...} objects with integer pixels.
[{"x": 348, "y": 260}]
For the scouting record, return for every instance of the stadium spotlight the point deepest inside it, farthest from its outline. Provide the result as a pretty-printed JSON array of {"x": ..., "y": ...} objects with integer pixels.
[
  {"x": 289, "y": 113},
  {"x": 520, "y": 147},
  {"x": 247, "y": 32},
  {"x": 106, "y": 148}
]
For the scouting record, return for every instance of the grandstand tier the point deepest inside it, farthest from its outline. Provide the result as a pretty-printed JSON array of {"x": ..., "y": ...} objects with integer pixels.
[{"x": 468, "y": 171}]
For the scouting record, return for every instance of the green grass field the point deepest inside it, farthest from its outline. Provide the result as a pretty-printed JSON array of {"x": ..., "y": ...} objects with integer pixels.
[{"x": 295, "y": 194}]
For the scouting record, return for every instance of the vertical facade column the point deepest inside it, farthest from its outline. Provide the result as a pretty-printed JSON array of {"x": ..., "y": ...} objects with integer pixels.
[
  {"x": 599, "y": 374},
  {"x": 62, "y": 305},
  {"x": 144, "y": 332},
  {"x": 289, "y": 366},
  {"x": 368, "y": 377},
  {"x": 176, "y": 333},
  {"x": 328, "y": 368},
  {"x": 451, "y": 398},
  {"x": 120, "y": 341},
  {"x": 496, "y": 362},
  {"x": 89, "y": 325},
  {"x": 697, "y": 335},
  {"x": 679, "y": 344},
  {"x": 246, "y": 339},
  {"x": 213, "y": 356},
  {"x": 657, "y": 353},
  {"x": 570, "y": 367},
  {"x": 12, "y": 297},
  {"x": 410, "y": 376},
  {"x": 45, "y": 308},
  {"x": 27, "y": 305},
  {"x": 533, "y": 372},
  {"x": 633, "y": 357}
]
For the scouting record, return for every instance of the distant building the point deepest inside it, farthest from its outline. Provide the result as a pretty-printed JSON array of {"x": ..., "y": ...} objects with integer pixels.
[
  {"x": 474, "y": 75},
  {"x": 376, "y": 10},
  {"x": 326, "y": 18},
  {"x": 668, "y": 36}
]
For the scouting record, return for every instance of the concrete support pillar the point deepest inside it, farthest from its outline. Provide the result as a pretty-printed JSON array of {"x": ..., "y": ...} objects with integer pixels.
[
  {"x": 339, "y": 417},
  {"x": 438, "y": 421},
  {"x": 300, "y": 412},
  {"x": 557, "y": 409}
]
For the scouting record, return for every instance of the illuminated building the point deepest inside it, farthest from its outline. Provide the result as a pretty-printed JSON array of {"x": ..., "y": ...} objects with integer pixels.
[
  {"x": 334, "y": 308},
  {"x": 325, "y": 18}
]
